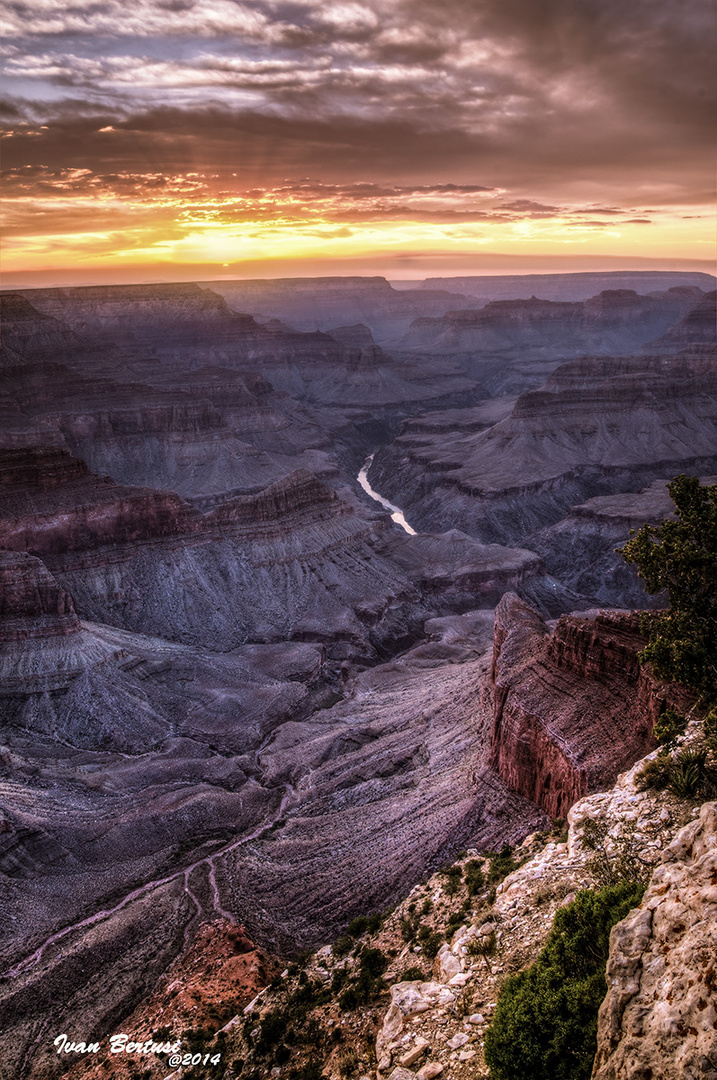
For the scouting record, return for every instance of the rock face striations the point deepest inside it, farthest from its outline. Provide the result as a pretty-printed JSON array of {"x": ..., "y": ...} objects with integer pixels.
[
  {"x": 569, "y": 708},
  {"x": 598, "y": 427},
  {"x": 51, "y": 504},
  {"x": 32, "y": 605},
  {"x": 232, "y": 691},
  {"x": 166, "y": 386},
  {"x": 510, "y": 344}
]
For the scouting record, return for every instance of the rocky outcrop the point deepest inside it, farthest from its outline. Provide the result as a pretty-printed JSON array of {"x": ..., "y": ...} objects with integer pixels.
[
  {"x": 279, "y": 711},
  {"x": 581, "y": 550},
  {"x": 453, "y": 564},
  {"x": 659, "y": 1019},
  {"x": 163, "y": 389},
  {"x": 293, "y": 560},
  {"x": 29, "y": 333},
  {"x": 203, "y": 786},
  {"x": 298, "y": 495},
  {"x": 568, "y": 714},
  {"x": 146, "y": 315},
  {"x": 32, "y": 605},
  {"x": 216, "y": 975}
]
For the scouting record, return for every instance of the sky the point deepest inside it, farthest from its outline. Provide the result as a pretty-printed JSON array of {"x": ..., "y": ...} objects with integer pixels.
[{"x": 171, "y": 139}]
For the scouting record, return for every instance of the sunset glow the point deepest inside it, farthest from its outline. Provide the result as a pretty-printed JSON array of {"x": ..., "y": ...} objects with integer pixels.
[{"x": 230, "y": 136}]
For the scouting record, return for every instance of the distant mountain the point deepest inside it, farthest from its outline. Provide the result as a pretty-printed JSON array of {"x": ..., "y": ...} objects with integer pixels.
[{"x": 567, "y": 286}]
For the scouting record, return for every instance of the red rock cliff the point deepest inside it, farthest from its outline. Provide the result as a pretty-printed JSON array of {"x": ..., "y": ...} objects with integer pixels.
[{"x": 571, "y": 709}]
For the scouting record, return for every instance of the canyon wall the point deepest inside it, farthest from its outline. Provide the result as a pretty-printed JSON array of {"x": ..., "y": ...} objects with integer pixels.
[{"x": 571, "y": 707}]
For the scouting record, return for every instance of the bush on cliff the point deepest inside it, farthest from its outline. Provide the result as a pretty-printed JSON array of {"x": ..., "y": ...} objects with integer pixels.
[
  {"x": 680, "y": 557},
  {"x": 545, "y": 1024}
]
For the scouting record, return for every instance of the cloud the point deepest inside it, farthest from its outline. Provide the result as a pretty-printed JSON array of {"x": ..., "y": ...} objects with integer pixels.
[{"x": 495, "y": 111}]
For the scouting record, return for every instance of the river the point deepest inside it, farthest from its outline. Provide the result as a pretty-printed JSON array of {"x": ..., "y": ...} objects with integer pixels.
[{"x": 396, "y": 512}]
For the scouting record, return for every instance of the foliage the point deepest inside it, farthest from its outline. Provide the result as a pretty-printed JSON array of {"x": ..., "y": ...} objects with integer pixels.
[
  {"x": 688, "y": 775},
  {"x": 408, "y": 929},
  {"x": 502, "y": 864},
  {"x": 692, "y": 776},
  {"x": 373, "y": 962},
  {"x": 312, "y": 1071},
  {"x": 430, "y": 940},
  {"x": 485, "y": 946},
  {"x": 348, "y": 1062},
  {"x": 474, "y": 876},
  {"x": 453, "y": 876},
  {"x": 615, "y": 860},
  {"x": 669, "y": 726},
  {"x": 368, "y": 983},
  {"x": 364, "y": 924},
  {"x": 655, "y": 774},
  {"x": 680, "y": 557},
  {"x": 545, "y": 1023},
  {"x": 342, "y": 945},
  {"x": 272, "y": 1030},
  {"x": 710, "y": 729}
]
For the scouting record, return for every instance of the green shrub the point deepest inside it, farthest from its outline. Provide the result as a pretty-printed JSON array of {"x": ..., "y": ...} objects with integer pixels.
[
  {"x": 502, "y": 864},
  {"x": 408, "y": 929},
  {"x": 430, "y": 940},
  {"x": 545, "y": 1023},
  {"x": 312, "y": 1071},
  {"x": 342, "y": 945},
  {"x": 668, "y": 727},
  {"x": 272, "y": 1026},
  {"x": 348, "y": 1062},
  {"x": 474, "y": 876},
  {"x": 710, "y": 729},
  {"x": 688, "y": 775},
  {"x": 654, "y": 774},
  {"x": 679, "y": 556},
  {"x": 453, "y": 876},
  {"x": 282, "y": 1054},
  {"x": 454, "y": 920},
  {"x": 368, "y": 983},
  {"x": 373, "y": 962},
  {"x": 349, "y": 999}
]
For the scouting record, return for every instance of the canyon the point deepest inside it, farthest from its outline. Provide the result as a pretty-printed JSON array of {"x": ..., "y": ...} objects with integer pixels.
[{"x": 234, "y": 693}]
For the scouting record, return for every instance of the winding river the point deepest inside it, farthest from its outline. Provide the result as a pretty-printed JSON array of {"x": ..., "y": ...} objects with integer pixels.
[{"x": 396, "y": 512}]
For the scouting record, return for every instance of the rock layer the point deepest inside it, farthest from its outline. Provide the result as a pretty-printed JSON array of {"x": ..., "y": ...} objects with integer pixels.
[
  {"x": 567, "y": 709},
  {"x": 659, "y": 1019},
  {"x": 597, "y": 427}
]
